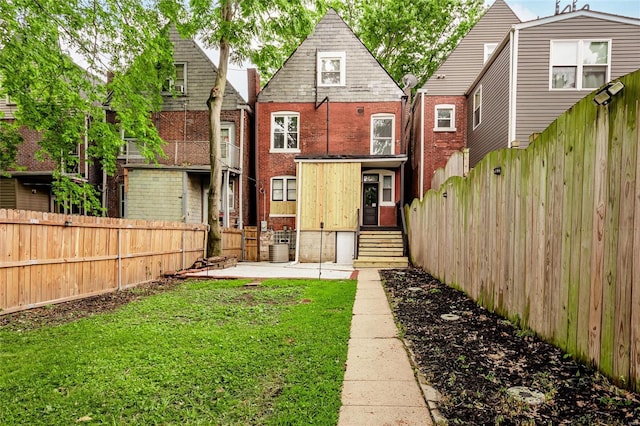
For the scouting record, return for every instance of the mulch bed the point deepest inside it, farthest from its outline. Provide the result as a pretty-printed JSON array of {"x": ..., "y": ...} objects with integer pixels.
[{"x": 474, "y": 359}]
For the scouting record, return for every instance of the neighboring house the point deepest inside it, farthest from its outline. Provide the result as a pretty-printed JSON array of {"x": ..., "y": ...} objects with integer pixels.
[
  {"x": 439, "y": 109},
  {"x": 176, "y": 188},
  {"x": 540, "y": 69},
  {"x": 30, "y": 187},
  {"x": 330, "y": 148}
]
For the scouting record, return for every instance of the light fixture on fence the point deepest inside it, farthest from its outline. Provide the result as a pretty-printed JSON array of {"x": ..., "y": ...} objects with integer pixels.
[
  {"x": 444, "y": 194},
  {"x": 604, "y": 95},
  {"x": 497, "y": 170}
]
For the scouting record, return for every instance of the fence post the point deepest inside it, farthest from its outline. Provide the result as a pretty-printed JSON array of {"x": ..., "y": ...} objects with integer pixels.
[{"x": 119, "y": 258}]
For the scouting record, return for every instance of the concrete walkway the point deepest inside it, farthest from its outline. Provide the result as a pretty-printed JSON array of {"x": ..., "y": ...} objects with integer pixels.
[{"x": 379, "y": 383}]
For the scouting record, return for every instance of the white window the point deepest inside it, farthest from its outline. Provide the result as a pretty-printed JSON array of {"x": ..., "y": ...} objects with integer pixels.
[
  {"x": 579, "y": 64},
  {"x": 285, "y": 131},
  {"x": 230, "y": 198},
  {"x": 179, "y": 83},
  {"x": 382, "y": 134},
  {"x": 229, "y": 151},
  {"x": 129, "y": 149},
  {"x": 283, "y": 188},
  {"x": 489, "y": 48},
  {"x": 387, "y": 189},
  {"x": 331, "y": 68},
  {"x": 445, "y": 118},
  {"x": 477, "y": 107}
]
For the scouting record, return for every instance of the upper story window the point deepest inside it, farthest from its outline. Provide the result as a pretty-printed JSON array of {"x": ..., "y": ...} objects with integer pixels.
[
  {"x": 579, "y": 64},
  {"x": 382, "y": 134},
  {"x": 445, "y": 118},
  {"x": 331, "y": 68},
  {"x": 179, "y": 83},
  {"x": 283, "y": 188},
  {"x": 489, "y": 48},
  {"x": 285, "y": 131},
  {"x": 129, "y": 149},
  {"x": 477, "y": 107}
]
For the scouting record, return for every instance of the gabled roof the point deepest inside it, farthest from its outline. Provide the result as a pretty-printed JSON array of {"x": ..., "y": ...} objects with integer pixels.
[
  {"x": 457, "y": 72},
  {"x": 550, "y": 20},
  {"x": 578, "y": 13},
  {"x": 188, "y": 51},
  {"x": 366, "y": 78}
]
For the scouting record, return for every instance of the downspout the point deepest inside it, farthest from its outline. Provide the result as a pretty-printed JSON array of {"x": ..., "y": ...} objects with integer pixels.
[
  {"x": 184, "y": 136},
  {"x": 318, "y": 105},
  {"x": 513, "y": 79},
  {"x": 298, "y": 208},
  {"x": 185, "y": 178},
  {"x": 240, "y": 167},
  {"x": 422, "y": 112}
]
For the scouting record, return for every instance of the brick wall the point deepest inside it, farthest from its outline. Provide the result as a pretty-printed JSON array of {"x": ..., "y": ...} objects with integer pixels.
[
  {"x": 438, "y": 146},
  {"x": 349, "y": 134}
]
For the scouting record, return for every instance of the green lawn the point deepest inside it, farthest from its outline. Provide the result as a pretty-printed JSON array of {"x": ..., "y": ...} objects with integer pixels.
[{"x": 208, "y": 352}]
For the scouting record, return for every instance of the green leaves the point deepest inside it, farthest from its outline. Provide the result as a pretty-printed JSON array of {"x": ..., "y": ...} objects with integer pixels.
[{"x": 44, "y": 43}]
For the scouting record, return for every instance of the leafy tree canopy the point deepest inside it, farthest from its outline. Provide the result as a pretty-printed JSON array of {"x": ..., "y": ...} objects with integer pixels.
[
  {"x": 65, "y": 101},
  {"x": 410, "y": 36}
]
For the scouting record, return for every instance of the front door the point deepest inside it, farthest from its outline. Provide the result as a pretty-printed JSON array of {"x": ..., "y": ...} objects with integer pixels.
[{"x": 370, "y": 203}]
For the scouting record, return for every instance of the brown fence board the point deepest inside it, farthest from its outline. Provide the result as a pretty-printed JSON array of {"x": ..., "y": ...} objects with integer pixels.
[
  {"x": 554, "y": 240},
  {"x": 50, "y": 258}
]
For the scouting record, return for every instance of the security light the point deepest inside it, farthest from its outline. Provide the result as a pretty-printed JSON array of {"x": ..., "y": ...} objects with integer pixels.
[{"x": 604, "y": 96}]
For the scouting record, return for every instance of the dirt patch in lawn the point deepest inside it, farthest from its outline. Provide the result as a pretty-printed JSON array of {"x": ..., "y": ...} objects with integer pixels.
[
  {"x": 472, "y": 357},
  {"x": 61, "y": 313}
]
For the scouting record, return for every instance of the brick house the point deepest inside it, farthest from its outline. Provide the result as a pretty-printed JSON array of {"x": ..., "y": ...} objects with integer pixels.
[
  {"x": 330, "y": 147},
  {"x": 439, "y": 111},
  {"x": 30, "y": 187},
  {"x": 176, "y": 188}
]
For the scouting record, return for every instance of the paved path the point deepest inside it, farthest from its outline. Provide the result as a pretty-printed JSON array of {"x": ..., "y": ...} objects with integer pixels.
[{"x": 379, "y": 384}]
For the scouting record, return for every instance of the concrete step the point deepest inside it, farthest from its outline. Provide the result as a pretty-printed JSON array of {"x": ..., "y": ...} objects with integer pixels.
[{"x": 380, "y": 262}]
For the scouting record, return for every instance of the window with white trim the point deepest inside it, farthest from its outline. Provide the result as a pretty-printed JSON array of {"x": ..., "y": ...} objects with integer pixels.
[
  {"x": 283, "y": 188},
  {"x": 178, "y": 83},
  {"x": 445, "y": 118},
  {"x": 386, "y": 185},
  {"x": 489, "y": 48},
  {"x": 285, "y": 131},
  {"x": 122, "y": 200},
  {"x": 382, "y": 134},
  {"x": 331, "y": 68},
  {"x": 579, "y": 64},
  {"x": 387, "y": 189},
  {"x": 230, "y": 196},
  {"x": 477, "y": 107}
]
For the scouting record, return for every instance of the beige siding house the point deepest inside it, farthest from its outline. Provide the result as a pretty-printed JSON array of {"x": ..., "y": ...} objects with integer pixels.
[
  {"x": 546, "y": 65},
  {"x": 440, "y": 113}
]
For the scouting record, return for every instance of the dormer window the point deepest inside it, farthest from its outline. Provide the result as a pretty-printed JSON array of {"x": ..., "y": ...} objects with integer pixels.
[
  {"x": 489, "y": 48},
  {"x": 331, "y": 68},
  {"x": 179, "y": 83}
]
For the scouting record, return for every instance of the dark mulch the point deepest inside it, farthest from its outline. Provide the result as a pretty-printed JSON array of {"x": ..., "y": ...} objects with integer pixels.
[
  {"x": 73, "y": 310},
  {"x": 473, "y": 360}
]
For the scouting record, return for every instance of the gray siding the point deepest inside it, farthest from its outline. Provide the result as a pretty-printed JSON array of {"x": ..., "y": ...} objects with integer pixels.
[
  {"x": 466, "y": 60},
  {"x": 537, "y": 106},
  {"x": 155, "y": 194},
  {"x": 7, "y": 193},
  {"x": 366, "y": 79},
  {"x": 6, "y": 109},
  {"x": 492, "y": 132},
  {"x": 201, "y": 75}
]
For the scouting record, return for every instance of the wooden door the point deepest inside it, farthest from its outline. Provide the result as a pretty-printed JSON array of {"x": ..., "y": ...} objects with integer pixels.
[{"x": 250, "y": 243}]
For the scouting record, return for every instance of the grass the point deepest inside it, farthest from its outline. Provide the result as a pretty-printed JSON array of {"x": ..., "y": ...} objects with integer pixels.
[{"x": 208, "y": 352}]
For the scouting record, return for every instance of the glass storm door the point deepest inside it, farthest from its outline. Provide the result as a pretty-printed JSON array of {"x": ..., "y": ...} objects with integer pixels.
[{"x": 370, "y": 204}]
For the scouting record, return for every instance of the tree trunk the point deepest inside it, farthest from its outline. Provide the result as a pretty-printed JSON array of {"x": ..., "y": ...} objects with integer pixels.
[{"x": 214, "y": 239}]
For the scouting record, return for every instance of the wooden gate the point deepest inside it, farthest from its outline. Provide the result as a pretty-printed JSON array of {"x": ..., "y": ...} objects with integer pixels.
[{"x": 251, "y": 243}]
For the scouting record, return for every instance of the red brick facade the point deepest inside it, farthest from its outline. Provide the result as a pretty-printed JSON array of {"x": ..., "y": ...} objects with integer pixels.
[
  {"x": 438, "y": 145},
  {"x": 348, "y": 126}
]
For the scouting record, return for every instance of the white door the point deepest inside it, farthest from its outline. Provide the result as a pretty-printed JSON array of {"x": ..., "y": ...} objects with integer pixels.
[{"x": 345, "y": 244}]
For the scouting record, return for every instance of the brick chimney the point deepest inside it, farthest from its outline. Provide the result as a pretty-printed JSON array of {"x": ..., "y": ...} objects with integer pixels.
[{"x": 253, "y": 83}]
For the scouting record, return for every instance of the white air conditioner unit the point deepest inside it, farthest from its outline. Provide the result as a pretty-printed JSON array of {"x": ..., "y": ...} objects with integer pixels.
[{"x": 179, "y": 89}]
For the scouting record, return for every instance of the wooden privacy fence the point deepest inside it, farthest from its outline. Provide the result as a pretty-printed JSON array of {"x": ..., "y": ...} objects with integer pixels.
[
  {"x": 48, "y": 258},
  {"x": 550, "y": 236}
]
